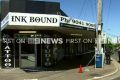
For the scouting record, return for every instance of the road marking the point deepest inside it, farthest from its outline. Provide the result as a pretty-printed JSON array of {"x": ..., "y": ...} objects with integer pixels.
[
  {"x": 30, "y": 79},
  {"x": 106, "y": 75}
]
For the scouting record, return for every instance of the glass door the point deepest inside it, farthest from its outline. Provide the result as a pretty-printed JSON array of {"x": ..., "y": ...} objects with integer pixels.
[{"x": 27, "y": 54}]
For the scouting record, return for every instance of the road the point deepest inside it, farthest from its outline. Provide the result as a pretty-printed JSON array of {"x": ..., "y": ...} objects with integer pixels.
[
  {"x": 115, "y": 76},
  {"x": 118, "y": 78},
  {"x": 115, "y": 56}
]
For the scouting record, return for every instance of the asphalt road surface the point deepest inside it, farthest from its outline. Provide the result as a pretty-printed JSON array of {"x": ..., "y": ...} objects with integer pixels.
[
  {"x": 115, "y": 56},
  {"x": 118, "y": 78},
  {"x": 115, "y": 76}
]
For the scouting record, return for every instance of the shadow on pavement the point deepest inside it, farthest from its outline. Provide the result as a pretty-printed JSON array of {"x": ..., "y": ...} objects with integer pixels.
[
  {"x": 73, "y": 62},
  {"x": 67, "y": 63}
]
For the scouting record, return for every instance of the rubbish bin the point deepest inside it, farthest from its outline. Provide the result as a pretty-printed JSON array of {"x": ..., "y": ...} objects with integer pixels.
[{"x": 98, "y": 61}]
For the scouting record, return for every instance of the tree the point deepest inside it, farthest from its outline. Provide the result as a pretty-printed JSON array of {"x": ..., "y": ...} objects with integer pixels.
[{"x": 111, "y": 47}]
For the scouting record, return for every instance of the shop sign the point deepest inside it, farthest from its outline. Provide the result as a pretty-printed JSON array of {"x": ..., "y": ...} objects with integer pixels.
[
  {"x": 4, "y": 22},
  {"x": 7, "y": 60},
  {"x": 29, "y": 19},
  {"x": 76, "y": 22}
]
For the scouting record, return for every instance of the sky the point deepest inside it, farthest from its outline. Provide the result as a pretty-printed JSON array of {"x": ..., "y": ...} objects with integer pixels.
[{"x": 87, "y": 10}]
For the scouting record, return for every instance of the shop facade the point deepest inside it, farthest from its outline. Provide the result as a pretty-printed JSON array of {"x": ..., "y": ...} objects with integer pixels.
[{"x": 41, "y": 39}]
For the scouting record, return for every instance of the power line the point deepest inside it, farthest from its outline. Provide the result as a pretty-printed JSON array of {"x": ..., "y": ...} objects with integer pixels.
[
  {"x": 92, "y": 6},
  {"x": 82, "y": 7},
  {"x": 109, "y": 6},
  {"x": 93, "y": 9},
  {"x": 85, "y": 15},
  {"x": 108, "y": 15},
  {"x": 111, "y": 34},
  {"x": 85, "y": 10}
]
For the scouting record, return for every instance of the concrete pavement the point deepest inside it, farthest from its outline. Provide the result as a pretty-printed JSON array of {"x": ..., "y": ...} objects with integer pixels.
[
  {"x": 111, "y": 75},
  {"x": 86, "y": 75},
  {"x": 73, "y": 74}
]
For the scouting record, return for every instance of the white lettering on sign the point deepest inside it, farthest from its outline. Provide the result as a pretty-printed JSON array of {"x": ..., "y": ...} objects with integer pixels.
[
  {"x": 7, "y": 55},
  {"x": 7, "y": 64},
  {"x": 7, "y": 59},
  {"x": 7, "y": 47},
  {"x": 7, "y": 51}
]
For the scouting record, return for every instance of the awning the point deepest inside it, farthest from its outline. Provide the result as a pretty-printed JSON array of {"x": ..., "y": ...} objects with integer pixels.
[{"x": 15, "y": 20}]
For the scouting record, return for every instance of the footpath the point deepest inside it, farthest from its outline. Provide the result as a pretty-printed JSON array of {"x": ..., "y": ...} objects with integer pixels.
[{"x": 89, "y": 73}]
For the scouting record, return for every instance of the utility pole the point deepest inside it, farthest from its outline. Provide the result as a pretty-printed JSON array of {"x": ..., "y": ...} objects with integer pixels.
[
  {"x": 100, "y": 24},
  {"x": 99, "y": 55},
  {"x": 0, "y": 49}
]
